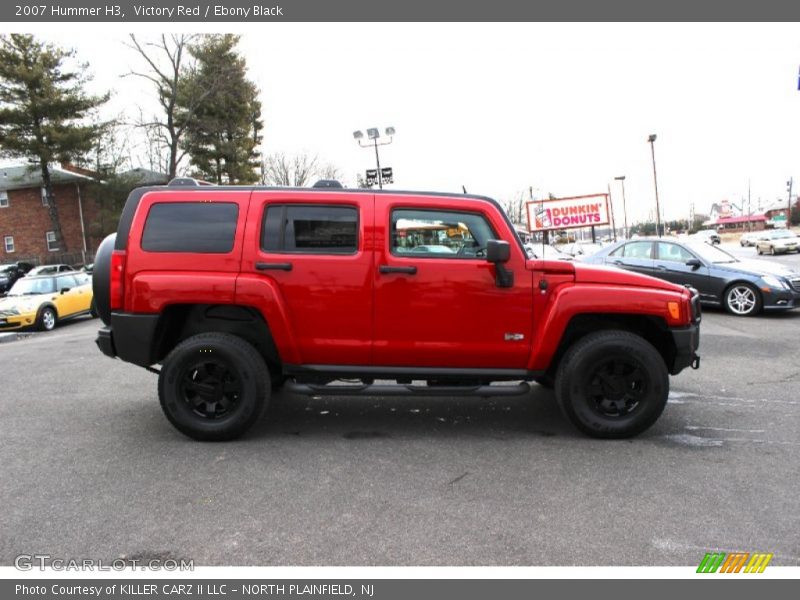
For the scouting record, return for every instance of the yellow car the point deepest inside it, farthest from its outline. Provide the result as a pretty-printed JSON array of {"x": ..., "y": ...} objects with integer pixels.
[{"x": 44, "y": 300}]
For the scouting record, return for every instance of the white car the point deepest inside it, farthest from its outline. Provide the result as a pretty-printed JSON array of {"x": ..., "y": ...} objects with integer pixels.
[
  {"x": 543, "y": 251},
  {"x": 778, "y": 241},
  {"x": 750, "y": 238}
]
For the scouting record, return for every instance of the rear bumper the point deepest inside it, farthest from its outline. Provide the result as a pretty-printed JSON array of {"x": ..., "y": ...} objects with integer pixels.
[
  {"x": 687, "y": 341},
  {"x": 130, "y": 338}
]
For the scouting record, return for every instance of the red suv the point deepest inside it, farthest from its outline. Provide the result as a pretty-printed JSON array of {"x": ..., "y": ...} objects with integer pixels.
[{"x": 234, "y": 291}]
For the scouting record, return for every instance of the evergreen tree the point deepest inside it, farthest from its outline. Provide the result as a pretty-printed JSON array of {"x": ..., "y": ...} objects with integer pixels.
[
  {"x": 223, "y": 137},
  {"x": 44, "y": 110}
]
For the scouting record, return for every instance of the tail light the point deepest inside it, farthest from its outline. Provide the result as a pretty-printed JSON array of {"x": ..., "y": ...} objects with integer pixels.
[{"x": 117, "y": 292}]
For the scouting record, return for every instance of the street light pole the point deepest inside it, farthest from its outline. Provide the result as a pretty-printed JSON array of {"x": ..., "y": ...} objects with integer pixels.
[
  {"x": 374, "y": 134},
  {"x": 789, "y": 204},
  {"x": 621, "y": 179},
  {"x": 378, "y": 162},
  {"x": 652, "y": 139}
]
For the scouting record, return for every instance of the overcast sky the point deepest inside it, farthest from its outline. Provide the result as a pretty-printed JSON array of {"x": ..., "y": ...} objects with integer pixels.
[{"x": 498, "y": 108}]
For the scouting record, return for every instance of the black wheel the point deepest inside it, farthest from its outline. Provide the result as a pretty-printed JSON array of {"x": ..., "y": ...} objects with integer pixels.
[
  {"x": 213, "y": 386},
  {"x": 758, "y": 250},
  {"x": 742, "y": 299},
  {"x": 612, "y": 384},
  {"x": 47, "y": 319}
]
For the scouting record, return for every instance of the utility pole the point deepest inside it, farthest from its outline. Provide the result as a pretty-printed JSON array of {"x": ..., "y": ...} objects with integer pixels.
[
  {"x": 652, "y": 139},
  {"x": 789, "y": 204}
]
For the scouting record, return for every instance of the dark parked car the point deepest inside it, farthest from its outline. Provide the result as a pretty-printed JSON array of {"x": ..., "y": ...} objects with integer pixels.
[
  {"x": 743, "y": 287},
  {"x": 10, "y": 273}
]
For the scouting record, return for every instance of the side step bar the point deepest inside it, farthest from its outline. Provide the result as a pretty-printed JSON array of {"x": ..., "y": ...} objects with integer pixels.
[{"x": 310, "y": 389}]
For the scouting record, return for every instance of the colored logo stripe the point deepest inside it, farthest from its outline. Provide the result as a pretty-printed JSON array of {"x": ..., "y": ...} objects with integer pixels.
[
  {"x": 734, "y": 562},
  {"x": 711, "y": 562},
  {"x": 758, "y": 563}
]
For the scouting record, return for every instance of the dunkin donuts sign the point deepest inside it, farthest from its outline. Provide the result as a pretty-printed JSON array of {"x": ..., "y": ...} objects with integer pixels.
[{"x": 568, "y": 213}]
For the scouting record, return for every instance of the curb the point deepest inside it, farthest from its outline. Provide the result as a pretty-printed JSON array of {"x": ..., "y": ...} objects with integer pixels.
[{"x": 13, "y": 336}]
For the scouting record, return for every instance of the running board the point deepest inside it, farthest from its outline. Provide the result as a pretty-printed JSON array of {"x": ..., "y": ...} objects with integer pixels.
[{"x": 310, "y": 389}]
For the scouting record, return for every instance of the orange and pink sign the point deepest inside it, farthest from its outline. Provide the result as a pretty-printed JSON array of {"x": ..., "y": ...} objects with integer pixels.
[{"x": 568, "y": 213}]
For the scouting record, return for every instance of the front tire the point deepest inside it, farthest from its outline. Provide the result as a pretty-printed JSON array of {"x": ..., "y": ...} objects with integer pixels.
[
  {"x": 47, "y": 319},
  {"x": 742, "y": 299},
  {"x": 612, "y": 384},
  {"x": 213, "y": 386}
]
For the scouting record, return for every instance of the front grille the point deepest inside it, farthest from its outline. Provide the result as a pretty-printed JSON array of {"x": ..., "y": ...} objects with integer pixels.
[{"x": 795, "y": 282}]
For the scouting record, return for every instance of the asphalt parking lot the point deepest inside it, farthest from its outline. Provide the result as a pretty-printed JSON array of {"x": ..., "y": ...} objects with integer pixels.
[{"x": 92, "y": 469}]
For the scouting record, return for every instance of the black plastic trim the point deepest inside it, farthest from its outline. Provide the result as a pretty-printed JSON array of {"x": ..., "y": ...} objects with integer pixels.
[
  {"x": 407, "y": 390},
  {"x": 134, "y": 337},
  {"x": 386, "y": 372},
  {"x": 687, "y": 340}
]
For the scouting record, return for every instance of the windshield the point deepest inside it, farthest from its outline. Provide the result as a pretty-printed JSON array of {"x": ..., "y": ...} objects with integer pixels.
[
  {"x": 782, "y": 234},
  {"x": 30, "y": 287},
  {"x": 712, "y": 254}
]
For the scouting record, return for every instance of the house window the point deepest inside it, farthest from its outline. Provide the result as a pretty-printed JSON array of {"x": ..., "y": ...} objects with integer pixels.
[
  {"x": 3, "y": 199},
  {"x": 44, "y": 197},
  {"x": 52, "y": 245},
  {"x": 9, "y": 243}
]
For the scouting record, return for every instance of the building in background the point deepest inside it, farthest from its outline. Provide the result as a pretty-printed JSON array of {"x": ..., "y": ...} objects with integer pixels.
[{"x": 25, "y": 228}]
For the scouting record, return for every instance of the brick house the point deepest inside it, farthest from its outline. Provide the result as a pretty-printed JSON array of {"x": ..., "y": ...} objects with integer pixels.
[{"x": 25, "y": 228}]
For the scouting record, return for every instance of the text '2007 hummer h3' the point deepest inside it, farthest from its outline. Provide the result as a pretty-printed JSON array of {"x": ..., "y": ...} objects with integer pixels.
[{"x": 235, "y": 291}]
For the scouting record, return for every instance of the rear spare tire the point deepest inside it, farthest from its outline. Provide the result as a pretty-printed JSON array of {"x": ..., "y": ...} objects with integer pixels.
[
  {"x": 612, "y": 384},
  {"x": 213, "y": 386}
]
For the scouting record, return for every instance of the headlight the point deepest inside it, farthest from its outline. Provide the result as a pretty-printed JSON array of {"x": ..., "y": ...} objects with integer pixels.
[
  {"x": 774, "y": 282},
  {"x": 9, "y": 312}
]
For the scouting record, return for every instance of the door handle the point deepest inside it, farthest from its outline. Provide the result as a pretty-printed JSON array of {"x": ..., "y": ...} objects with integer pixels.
[
  {"x": 390, "y": 269},
  {"x": 661, "y": 267},
  {"x": 262, "y": 266}
]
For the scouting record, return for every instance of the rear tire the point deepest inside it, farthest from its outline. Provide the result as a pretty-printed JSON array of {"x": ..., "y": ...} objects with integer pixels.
[
  {"x": 213, "y": 386},
  {"x": 612, "y": 384}
]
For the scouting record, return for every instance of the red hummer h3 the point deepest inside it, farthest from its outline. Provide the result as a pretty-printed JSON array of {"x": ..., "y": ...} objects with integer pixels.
[{"x": 235, "y": 291}]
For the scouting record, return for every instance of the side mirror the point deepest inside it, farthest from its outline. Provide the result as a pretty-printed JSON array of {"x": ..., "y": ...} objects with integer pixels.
[
  {"x": 64, "y": 290},
  {"x": 694, "y": 263},
  {"x": 498, "y": 251}
]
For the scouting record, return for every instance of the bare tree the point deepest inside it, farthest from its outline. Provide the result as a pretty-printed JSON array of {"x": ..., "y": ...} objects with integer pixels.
[
  {"x": 293, "y": 171},
  {"x": 169, "y": 65}
]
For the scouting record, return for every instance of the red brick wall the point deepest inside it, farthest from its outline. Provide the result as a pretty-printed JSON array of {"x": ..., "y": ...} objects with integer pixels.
[{"x": 28, "y": 220}]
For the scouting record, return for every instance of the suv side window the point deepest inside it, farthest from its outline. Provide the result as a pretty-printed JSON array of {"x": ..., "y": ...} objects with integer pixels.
[
  {"x": 439, "y": 234},
  {"x": 307, "y": 229},
  {"x": 195, "y": 227}
]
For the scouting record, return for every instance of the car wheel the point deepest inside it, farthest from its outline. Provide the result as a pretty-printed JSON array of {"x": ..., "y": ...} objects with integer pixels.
[
  {"x": 772, "y": 250},
  {"x": 742, "y": 300},
  {"x": 213, "y": 386},
  {"x": 758, "y": 250},
  {"x": 47, "y": 319},
  {"x": 612, "y": 384}
]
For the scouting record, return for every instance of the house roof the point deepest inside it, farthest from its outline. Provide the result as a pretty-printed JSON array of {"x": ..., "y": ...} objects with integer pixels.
[
  {"x": 19, "y": 177},
  {"x": 745, "y": 219}
]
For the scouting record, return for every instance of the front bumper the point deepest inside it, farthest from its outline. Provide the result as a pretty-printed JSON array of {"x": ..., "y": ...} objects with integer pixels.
[
  {"x": 15, "y": 322},
  {"x": 687, "y": 341},
  {"x": 780, "y": 299}
]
